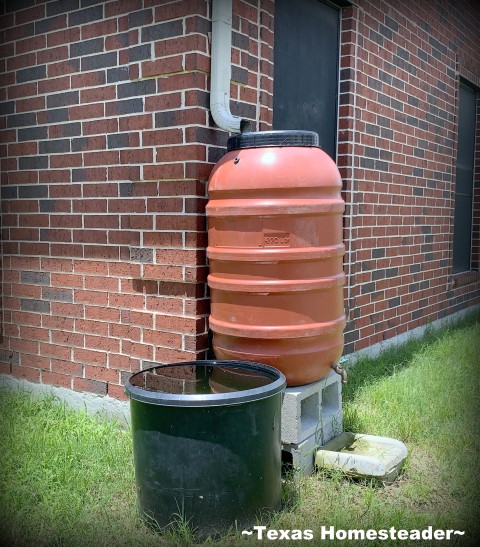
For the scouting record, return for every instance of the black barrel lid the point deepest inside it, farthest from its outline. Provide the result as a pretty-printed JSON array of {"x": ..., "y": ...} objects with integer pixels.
[
  {"x": 205, "y": 383},
  {"x": 262, "y": 139}
]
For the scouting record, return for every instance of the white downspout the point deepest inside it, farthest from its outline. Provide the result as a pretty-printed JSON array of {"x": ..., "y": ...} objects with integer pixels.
[{"x": 221, "y": 68}]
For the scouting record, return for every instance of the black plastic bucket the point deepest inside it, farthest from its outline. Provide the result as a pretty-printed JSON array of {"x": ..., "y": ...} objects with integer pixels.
[{"x": 206, "y": 441}]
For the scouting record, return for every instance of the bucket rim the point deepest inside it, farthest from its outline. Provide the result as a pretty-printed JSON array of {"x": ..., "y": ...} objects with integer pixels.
[{"x": 162, "y": 398}]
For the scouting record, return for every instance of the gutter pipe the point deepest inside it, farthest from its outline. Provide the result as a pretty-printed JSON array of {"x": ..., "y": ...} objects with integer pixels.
[{"x": 221, "y": 69}]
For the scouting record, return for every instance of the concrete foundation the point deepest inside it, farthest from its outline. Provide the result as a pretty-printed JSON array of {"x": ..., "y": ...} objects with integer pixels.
[{"x": 103, "y": 406}]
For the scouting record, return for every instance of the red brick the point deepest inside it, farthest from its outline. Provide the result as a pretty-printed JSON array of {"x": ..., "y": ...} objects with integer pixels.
[
  {"x": 88, "y": 356},
  {"x": 58, "y": 322},
  {"x": 54, "y": 350},
  {"x": 68, "y": 338},
  {"x": 34, "y": 249},
  {"x": 93, "y": 386},
  {"x": 124, "y": 172},
  {"x": 177, "y": 222},
  {"x": 165, "y": 171},
  {"x": 165, "y": 355},
  {"x": 91, "y": 206},
  {"x": 31, "y": 14},
  {"x": 102, "y": 28},
  {"x": 197, "y": 61},
  {"x": 163, "y": 66},
  {"x": 22, "y": 61},
  {"x": 63, "y": 67},
  {"x": 65, "y": 160},
  {"x": 125, "y": 332},
  {"x": 187, "y": 325},
  {"x": 101, "y": 373},
  {"x": 27, "y": 105},
  {"x": 27, "y": 373},
  {"x": 123, "y": 237},
  {"x": 52, "y": 55},
  {"x": 35, "y": 361},
  {"x": 126, "y": 206},
  {"x": 25, "y": 263},
  {"x": 101, "y": 158},
  {"x": 139, "y": 286},
  {"x": 30, "y": 44},
  {"x": 63, "y": 37},
  {"x": 137, "y": 122},
  {"x": 88, "y": 79},
  {"x": 96, "y": 94},
  {"x": 66, "y": 367},
  {"x": 7, "y": 136},
  {"x": 102, "y": 313},
  {"x": 136, "y": 155},
  {"x": 100, "y": 127},
  {"x": 66, "y": 280},
  {"x": 90, "y": 236},
  {"x": 163, "y": 273},
  {"x": 32, "y": 333},
  {"x": 182, "y": 81},
  {"x": 178, "y": 9},
  {"x": 118, "y": 392},
  {"x": 85, "y": 112},
  {"x": 27, "y": 346},
  {"x": 123, "y": 269},
  {"x": 103, "y": 343},
  {"x": 90, "y": 267},
  {"x": 163, "y": 239},
  {"x": 185, "y": 152},
  {"x": 56, "y": 379},
  {"x": 162, "y": 137},
  {"x": 67, "y": 310},
  {"x": 65, "y": 221},
  {"x": 91, "y": 297},
  {"x": 123, "y": 362},
  {"x": 164, "y": 339},
  {"x": 5, "y": 368},
  {"x": 126, "y": 301},
  {"x": 7, "y": 21},
  {"x": 23, "y": 177},
  {"x": 29, "y": 148},
  {"x": 136, "y": 349},
  {"x": 91, "y": 327}
]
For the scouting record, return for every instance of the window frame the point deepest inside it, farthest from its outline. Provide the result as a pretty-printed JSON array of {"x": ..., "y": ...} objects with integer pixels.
[{"x": 459, "y": 268}]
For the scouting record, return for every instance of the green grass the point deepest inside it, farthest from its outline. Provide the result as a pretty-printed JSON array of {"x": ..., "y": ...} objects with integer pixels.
[{"x": 67, "y": 477}]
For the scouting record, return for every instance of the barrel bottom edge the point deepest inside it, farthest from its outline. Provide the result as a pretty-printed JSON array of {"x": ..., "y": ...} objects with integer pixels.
[{"x": 299, "y": 367}]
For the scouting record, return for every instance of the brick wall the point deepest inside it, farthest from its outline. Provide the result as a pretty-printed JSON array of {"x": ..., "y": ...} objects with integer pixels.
[
  {"x": 400, "y": 68},
  {"x": 106, "y": 144}
]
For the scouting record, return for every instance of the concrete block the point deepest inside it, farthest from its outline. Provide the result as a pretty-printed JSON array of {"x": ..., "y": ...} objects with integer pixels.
[
  {"x": 302, "y": 455},
  {"x": 312, "y": 410}
]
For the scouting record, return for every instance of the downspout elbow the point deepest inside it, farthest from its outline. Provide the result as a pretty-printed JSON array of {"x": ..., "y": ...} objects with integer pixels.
[
  {"x": 221, "y": 69},
  {"x": 224, "y": 119}
]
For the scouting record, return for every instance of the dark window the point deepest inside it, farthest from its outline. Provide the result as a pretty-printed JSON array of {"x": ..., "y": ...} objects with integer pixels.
[
  {"x": 305, "y": 94},
  {"x": 462, "y": 235}
]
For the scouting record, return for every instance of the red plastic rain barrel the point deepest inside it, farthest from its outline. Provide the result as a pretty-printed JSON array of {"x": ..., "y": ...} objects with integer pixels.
[{"x": 276, "y": 254}]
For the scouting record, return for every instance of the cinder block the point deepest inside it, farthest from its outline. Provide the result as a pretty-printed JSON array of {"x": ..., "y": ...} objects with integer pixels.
[
  {"x": 302, "y": 456},
  {"x": 312, "y": 410}
]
